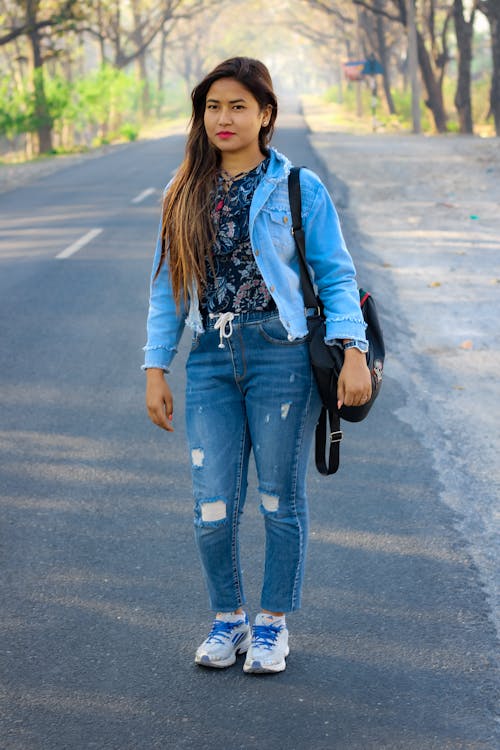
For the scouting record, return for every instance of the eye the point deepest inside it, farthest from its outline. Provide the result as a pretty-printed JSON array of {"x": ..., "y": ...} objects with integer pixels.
[
  {"x": 211, "y": 106},
  {"x": 238, "y": 106}
]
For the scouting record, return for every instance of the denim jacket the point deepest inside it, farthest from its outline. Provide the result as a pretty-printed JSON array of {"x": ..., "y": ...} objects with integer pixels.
[{"x": 275, "y": 253}]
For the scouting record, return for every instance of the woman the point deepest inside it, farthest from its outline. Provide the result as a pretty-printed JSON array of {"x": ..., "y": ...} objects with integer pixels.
[{"x": 226, "y": 265}]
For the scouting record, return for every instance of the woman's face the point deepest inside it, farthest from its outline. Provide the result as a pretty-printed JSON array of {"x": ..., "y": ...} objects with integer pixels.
[{"x": 233, "y": 119}]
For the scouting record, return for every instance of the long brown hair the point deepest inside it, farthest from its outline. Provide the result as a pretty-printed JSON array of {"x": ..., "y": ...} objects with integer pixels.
[{"x": 187, "y": 231}]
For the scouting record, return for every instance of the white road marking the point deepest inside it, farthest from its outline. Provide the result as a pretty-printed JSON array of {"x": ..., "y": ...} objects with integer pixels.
[
  {"x": 145, "y": 193},
  {"x": 75, "y": 246}
]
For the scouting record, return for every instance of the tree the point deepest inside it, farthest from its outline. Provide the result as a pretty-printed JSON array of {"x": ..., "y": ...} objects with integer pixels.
[
  {"x": 330, "y": 28},
  {"x": 432, "y": 63},
  {"x": 34, "y": 19},
  {"x": 383, "y": 55},
  {"x": 464, "y": 31},
  {"x": 376, "y": 42},
  {"x": 491, "y": 9},
  {"x": 127, "y": 31}
]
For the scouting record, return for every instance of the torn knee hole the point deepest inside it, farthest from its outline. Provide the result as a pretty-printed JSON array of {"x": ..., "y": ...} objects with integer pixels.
[
  {"x": 197, "y": 457},
  {"x": 270, "y": 502},
  {"x": 285, "y": 408},
  {"x": 212, "y": 510}
]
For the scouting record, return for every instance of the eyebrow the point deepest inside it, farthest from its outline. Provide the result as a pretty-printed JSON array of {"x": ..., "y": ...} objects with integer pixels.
[{"x": 232, "y": 101}]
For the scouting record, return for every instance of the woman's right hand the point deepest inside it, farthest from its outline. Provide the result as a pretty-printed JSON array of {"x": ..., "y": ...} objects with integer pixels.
[{"x": 159, "y": 400}]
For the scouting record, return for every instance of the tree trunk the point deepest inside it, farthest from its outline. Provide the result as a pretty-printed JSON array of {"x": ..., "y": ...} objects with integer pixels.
[
  {"x": 142, "y": 75},
  {"x": 17, "y": 66},
  {"x": 434, "y": 93},
  {"x": 43, "y": 121},
  {"x": 359, "y": 47},
  {"x": 412, "y": 65},
  {"x": 464, "y": 32},
  {"x": 101, "y": 42},
  {"x": 161, "y": 72},
  {"x": 384, "y": 59},
  {"x": 494, "y": 19},
  {"x": 140, "y": 59},
  {"x": 117, "y": 45}
]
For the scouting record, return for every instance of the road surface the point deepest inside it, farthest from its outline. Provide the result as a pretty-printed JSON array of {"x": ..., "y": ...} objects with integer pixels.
[{"x": 102, "y": 601}]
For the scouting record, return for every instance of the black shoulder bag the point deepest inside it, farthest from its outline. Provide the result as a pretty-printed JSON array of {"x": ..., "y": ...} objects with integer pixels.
[{"x": 327, "y": 360}]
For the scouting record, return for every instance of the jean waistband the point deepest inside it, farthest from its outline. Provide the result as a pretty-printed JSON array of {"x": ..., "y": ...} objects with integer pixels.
[{"x": 242, "y": 319}]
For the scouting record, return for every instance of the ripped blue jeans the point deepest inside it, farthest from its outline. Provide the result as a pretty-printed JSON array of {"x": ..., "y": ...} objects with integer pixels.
[{"x": 250, "y": 388}]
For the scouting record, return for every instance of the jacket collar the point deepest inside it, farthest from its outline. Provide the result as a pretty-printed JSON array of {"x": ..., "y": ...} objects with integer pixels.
[{"x": 279, "y": 166}]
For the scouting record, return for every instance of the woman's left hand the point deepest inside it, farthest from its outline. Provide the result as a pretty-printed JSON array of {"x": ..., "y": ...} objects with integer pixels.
[{"x": 355, "y": 384}]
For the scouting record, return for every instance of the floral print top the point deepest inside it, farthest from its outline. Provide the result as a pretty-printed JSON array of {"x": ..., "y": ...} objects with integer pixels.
[{"x": 237, "y": 285}]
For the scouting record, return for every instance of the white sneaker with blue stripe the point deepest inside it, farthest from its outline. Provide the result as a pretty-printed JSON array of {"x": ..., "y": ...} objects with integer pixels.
[
  {"x": 230, "y": 635},
  {"x": 269, "y": 647}
]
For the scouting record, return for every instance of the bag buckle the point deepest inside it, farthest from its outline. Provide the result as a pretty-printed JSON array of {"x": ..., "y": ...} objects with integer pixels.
[
  {"x": 336, "y": 437},
  {"x": 312, "y": 312}
]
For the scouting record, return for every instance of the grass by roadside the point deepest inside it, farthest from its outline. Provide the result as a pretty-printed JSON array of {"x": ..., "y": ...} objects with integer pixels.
[
  {"x": 152, "y": 129},
  {"x": 331, "y": 115},
  {"x": 17, "y": 173}
]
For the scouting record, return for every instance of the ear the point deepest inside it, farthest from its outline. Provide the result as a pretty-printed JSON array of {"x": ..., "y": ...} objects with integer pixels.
[{"x": 266, "y": 115}]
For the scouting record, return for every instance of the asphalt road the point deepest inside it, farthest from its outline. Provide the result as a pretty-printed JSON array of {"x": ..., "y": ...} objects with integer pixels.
[{"x": 102, "y": 601}]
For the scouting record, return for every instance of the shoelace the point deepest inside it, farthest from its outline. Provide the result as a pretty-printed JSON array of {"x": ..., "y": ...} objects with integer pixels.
[
  {"x": 264, "y": 636},
  {"x": 222, "y": 630},
  {"x": 225, "y": 321}
]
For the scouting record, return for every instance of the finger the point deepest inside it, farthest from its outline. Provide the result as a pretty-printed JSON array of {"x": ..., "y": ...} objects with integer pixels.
[
  {"x": 362, "y": 400},
  {"x": 159, "y": 418},
  {"x": 340, "y": 393},
  {"x": 166, "y": 422}
]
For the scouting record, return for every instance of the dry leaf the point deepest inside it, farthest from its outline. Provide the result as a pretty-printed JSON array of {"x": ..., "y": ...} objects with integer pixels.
[
  {"x": 435, "y": 283},
  {"x": 467, "y": 344}
]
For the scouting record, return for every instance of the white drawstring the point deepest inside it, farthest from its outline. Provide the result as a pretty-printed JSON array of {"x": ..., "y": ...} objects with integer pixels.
[{"x": 225, "y": 320}]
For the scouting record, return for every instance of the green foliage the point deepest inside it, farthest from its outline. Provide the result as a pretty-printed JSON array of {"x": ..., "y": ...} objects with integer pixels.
[
  {"x": 172, "y": 102},
  {"x": 403, "y": 116},
  {"x": 106, "y": 94},
  {"x": 105, "y": 102},
  {"x": 129, "y": 131},
  {"x": 15, "y": 115},
  {"x": 402, "y": 120},
  {"x": 481, "y": 98}
]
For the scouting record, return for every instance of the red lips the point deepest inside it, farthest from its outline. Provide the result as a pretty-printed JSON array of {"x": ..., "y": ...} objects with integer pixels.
[{"x": 225, "y": 134}]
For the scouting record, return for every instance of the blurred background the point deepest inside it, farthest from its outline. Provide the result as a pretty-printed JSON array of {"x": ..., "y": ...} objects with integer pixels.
[{"x": 75, "y": 74}]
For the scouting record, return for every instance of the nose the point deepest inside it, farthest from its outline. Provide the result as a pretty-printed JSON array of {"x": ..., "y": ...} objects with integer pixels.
[{"x": 224, "y": 115}]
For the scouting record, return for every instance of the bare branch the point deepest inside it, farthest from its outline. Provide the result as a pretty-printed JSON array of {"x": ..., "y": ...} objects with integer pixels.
[
  {"x": 483, "y": 6},
  {"x": 330, "y": 9},
  {"x": 64, "y": 14},
  {"x": 378, "y": 11}
]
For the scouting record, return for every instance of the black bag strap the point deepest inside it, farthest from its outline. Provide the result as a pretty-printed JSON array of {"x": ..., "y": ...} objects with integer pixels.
[
  {"x": 327, "y": 417},
  {"x": 322, "y": 437},
  {"x": 310, "y": 298}
]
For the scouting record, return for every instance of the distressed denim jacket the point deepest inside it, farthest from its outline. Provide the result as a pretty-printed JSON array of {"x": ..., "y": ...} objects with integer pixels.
[{"x": 275, "y": 253}]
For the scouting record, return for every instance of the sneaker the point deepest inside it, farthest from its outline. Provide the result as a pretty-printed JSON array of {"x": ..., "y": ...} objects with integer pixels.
[
  {"x": 230, "y": 635},
  {"x": 269, "y": 646}
]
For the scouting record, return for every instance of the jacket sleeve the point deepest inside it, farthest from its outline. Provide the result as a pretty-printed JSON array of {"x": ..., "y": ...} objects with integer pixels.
[
  {"x": 332, "y": 266},
  {"x": 165, "y": 323}
]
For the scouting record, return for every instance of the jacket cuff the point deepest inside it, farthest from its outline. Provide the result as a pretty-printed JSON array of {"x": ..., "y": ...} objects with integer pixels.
[
  {"x": 345, "y": 328},
  {"x": 158, "y": 357}
]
